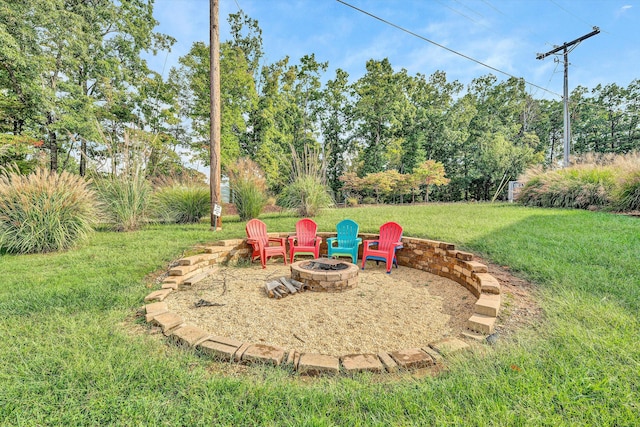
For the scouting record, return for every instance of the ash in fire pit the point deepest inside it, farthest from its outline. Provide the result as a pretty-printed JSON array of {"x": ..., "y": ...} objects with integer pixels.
[
  {"x": 325, "y": 264},
  {"x": 325, "y": 275}
]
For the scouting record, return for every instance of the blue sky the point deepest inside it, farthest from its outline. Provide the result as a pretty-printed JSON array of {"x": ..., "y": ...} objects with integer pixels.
[{"x": 505, "y": 34}]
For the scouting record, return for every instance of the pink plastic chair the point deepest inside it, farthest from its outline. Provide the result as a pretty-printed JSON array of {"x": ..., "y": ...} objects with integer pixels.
[
  {"x": 259, "y": 240},
  {"x": 305, "y": 241},
  {"x": 384, "y": 248}
]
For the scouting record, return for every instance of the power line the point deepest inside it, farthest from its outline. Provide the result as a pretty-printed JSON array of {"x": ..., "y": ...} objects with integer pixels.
[{"x": 443, "y": 47}]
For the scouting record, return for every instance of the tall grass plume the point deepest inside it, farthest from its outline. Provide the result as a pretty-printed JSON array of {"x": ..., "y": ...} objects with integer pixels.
[
  {"x": 248, "y": 187},
  {"x": 43, "y": 211}
]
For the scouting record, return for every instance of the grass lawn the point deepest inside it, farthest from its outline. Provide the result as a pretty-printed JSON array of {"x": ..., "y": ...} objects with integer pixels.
[{"x": 73, "y": 353}]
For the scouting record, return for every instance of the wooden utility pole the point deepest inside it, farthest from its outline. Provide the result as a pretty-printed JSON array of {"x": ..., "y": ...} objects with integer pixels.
[
  {"x": 214, "y": 130},
  {"x": 567, "y": 124}
]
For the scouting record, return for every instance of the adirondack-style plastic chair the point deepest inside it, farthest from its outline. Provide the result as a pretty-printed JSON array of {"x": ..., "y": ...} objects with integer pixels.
[
  {"x": 257, "y": 237},
  {"x": 384, "y": 248},
  {"x": 305, "y": 241},
  {"x": 346, "y": 242}
]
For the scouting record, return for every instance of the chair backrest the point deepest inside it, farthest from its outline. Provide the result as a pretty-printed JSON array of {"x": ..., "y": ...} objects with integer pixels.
[
  {"x": 306, "y": 230},
  {"x": 390, "y": 233},
  {"x": 257, "y": 230},
  {"x": 347, "y": 233}
]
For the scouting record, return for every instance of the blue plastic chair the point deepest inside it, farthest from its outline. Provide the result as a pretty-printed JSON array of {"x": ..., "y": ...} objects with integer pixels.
[{"x": 347, "y": 240}]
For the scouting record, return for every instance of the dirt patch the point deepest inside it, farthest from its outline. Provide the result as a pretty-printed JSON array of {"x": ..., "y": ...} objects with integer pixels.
[
  {"x": 406, "y": 309},
  {"x": 519, "y": 306}
]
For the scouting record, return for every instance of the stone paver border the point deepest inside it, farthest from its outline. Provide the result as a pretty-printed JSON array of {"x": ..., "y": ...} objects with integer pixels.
[{"x": 433, "y": 256}]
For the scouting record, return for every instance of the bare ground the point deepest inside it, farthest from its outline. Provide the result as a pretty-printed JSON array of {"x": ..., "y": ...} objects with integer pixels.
[{"x": 408, "y": 308}]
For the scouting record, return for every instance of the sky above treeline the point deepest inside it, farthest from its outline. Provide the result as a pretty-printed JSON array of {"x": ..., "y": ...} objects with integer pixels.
[{"x": 503, "y": 34}]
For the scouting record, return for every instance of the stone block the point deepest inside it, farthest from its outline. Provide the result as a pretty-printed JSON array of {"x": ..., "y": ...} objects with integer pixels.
[
  {"x": 316, "y": 364},
  {"x": 232, "y": 342},
  {"x": 200, "y": 276},
  {"x": 412, "y": 358},
  {"x": 263, "y": 353},
  {"x": 464, "y": 256},
  {"x": 446, "y": 246},
  {"x": 476, "y": 267},
  {"x": 195, "y": 259},
  {"x": 488, "y": 304},
  {"x": 189, "y": 335},
  {"x": 156, "y": 307},
  {"x": 361, "y": 362},
  {"x": 157, "y": 295},
  {"x": 167, "y": 321},
  {"x": 474, "y": 336},
  {"x": 237, "y": 356},
  {"x": 292, "y": 359},
  {"x": 449, "y": 345},
  {"x": 172, "y": 286},
  {"x": 481, "y": 324},
  {"x": 488, "y": 283},
  {"x": 217, "y": 350},
  {"x": 182, "y": 270},
  {"x": 437, "y": 357}
]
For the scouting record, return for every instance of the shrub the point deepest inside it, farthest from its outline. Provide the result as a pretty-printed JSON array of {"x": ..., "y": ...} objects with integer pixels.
[
  {"x": 368, "y": 200},
  {"x": 247, "y": 184},
  {"x": 182, "y": 201},
  {"x": 307, "y": 195},
  {"x": 44, "y": 212},
  {"x": 352, "y": 202},
  {"x": 124, "y": 200}
]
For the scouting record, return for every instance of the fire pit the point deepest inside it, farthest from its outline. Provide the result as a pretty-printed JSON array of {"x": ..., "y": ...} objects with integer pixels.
[{"x": 325, "y": 275}]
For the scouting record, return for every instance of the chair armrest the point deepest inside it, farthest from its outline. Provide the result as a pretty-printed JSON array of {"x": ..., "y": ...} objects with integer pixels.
[
  {"x": 330, "y": 240},
  {"x": 371, "y": 242},
  {"x": 359, "y": 240},
  {"x": 280, "y": 240},
  {"x": 255, "y": 242}
]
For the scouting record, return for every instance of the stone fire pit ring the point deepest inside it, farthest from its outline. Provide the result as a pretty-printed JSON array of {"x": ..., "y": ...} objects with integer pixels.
[{"x": 317, "y": 280}]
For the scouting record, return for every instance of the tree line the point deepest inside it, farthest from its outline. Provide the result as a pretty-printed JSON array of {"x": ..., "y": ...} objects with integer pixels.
[{"x": 76, "y": 92}]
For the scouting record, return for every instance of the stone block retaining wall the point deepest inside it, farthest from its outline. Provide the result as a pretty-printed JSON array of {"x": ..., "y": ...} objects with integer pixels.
[{"x": 435, "y": 257}]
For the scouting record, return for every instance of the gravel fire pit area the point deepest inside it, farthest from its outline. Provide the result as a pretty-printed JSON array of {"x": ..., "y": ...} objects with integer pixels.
[
  {"x": 407, "y": 308},
  {"x": 334, "y": 317}
]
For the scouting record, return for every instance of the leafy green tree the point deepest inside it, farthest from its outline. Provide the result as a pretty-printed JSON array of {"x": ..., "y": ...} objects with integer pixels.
[
  {"x": 431, "y": 173},
  {"x": 336, "y": 126},
  {"x": 378, "y": 99}
]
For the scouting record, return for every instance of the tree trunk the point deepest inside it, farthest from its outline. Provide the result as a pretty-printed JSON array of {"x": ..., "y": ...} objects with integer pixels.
[
  {"x": 83, "y": 157},
  {"x": 53, "y": 147}
]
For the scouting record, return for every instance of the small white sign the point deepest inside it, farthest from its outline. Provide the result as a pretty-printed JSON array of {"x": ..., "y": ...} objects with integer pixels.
[
  {"x": 514, "y": 190},
  {"x": 217, "y": 210}
]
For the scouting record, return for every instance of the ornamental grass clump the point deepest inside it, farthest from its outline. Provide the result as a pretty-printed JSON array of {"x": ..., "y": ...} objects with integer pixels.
[
  {"x": 124, "y": 200},
  {"x": 248, "y": 187},
  {"x": 627, "y": 194},
  {"x": 307, "y": 193},
  {"x": 580, "y": 187},
  {"x": 44, "y": 211},
  {"x": 181, "y": 200}
]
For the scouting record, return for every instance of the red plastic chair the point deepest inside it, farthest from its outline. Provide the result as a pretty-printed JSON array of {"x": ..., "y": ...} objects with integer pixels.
[
  {"x": 384, "y": 248},
  {"x": 257, "y": 237},
  {"x": 305, "y": 241}
]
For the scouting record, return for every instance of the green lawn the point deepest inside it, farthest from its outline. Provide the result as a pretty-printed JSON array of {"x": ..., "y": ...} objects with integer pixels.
[{"x": 73, "y": 353}]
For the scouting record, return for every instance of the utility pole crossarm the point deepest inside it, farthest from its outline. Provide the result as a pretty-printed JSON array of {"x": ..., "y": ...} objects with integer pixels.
[{"x": 595, "y": 31}]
